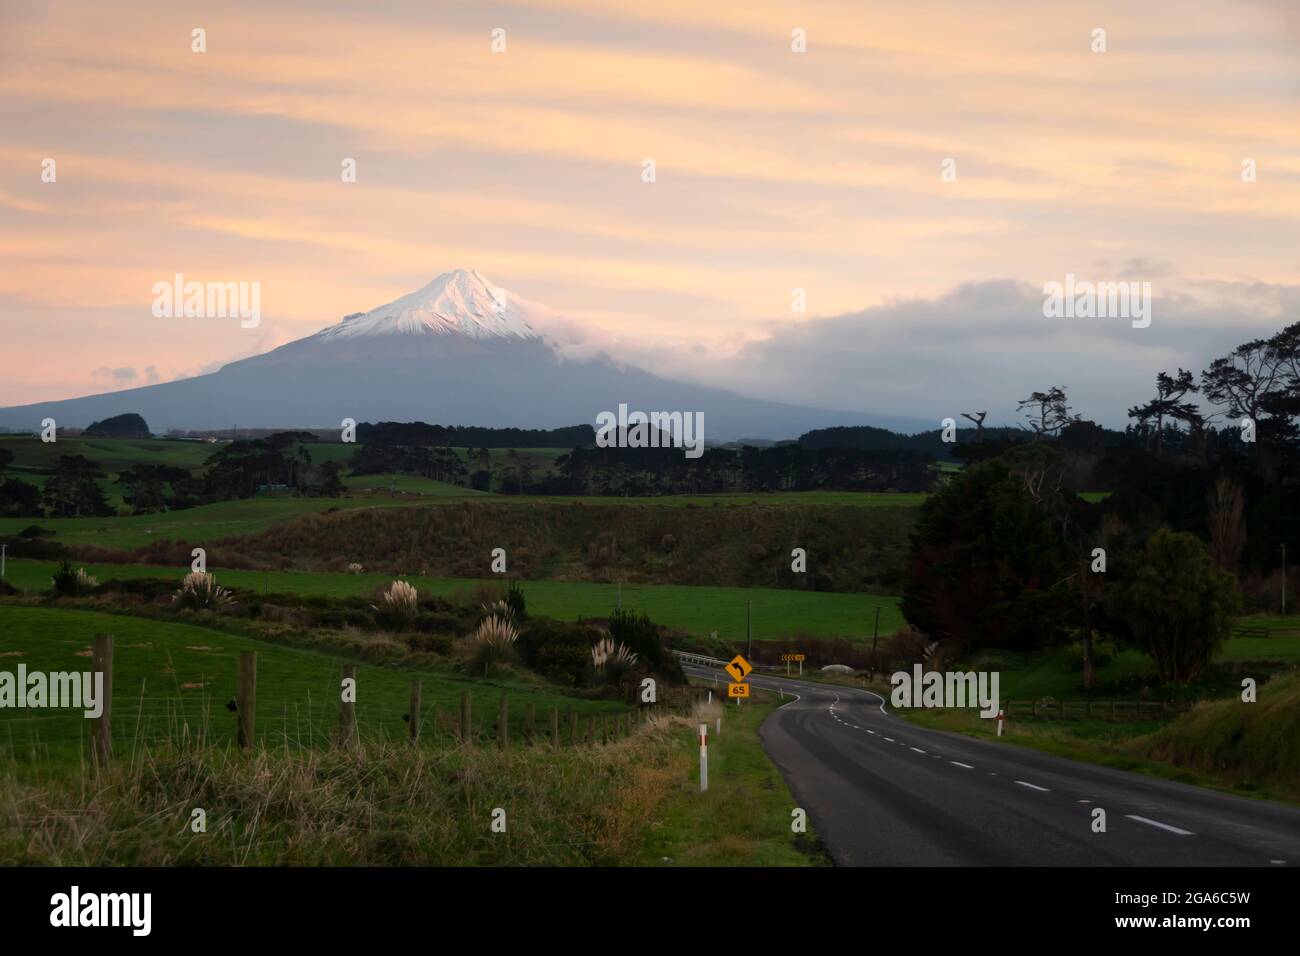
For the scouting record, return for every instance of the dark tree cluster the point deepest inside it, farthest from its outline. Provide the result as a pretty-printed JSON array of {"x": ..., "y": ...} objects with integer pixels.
[{"x": 667, "y": 471}]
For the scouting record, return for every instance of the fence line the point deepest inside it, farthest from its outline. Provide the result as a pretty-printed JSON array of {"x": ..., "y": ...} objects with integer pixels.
[{"x": 675, "y": 700}]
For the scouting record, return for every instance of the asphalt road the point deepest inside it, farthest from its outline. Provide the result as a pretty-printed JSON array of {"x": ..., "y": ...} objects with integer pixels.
[{"x": 883, "y": 792}]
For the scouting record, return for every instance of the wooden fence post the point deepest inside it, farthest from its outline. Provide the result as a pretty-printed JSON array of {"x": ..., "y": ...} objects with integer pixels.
[
  {"x": 573, "y": 727},
  {"x": 465, "y": 728},
  {"x": 246, "y": 699},
  {"x": 530, "y": 721},
  {"x": 101, "y": 662},
  {"x": 591, "y": 731},
  {"x": 503, "y": 723},
  {"x": 348, "y": 711},
  {"x": 417, "y": 686},
  {"x": 555, "y": 726}
]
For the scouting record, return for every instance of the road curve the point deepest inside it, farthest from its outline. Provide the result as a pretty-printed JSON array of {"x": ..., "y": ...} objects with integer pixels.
[{"x": 884, "y": 792}]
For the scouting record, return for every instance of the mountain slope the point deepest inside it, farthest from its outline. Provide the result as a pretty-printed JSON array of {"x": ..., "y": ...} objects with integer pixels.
[{"x": 456, "y": 352}]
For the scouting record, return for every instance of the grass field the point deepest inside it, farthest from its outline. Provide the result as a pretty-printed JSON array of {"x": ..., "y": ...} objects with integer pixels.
[
  {"x": 699, "y": 610},
  {"x": 744, "y": 818},
  {"x": 171, "y": 675},
  {"x": 199, "y": 525}
]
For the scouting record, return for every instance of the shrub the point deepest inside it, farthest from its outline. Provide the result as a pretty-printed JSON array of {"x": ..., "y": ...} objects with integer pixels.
[
  {"x": 515, "y": 600},
  {"x": 402, "y": 598},
  {"x": 200, "y": 591},
  {"x": 494, "y": 645},
  {"x": 641, "y": 636},
  {"x": 612, "y": 660},
  {"x": 606, "y": 653},
  {"x": 69, "y": 583},
  {"x": 1178, "y": 606},
  {"x": 498, "y": 609},
  {"x": 558, "y": 650}
]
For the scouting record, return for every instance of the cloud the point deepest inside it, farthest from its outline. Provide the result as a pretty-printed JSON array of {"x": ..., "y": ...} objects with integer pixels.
[
  {"x": 124, "y": 376},
  {"x": 985, "y": 345}
]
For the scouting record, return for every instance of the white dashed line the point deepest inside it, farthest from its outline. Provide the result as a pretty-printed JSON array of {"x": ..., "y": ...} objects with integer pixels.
[
  {"x": 890, "y": 739},
  {"x": 958, "y": 763},
  {"x": 918, "y": 750},
  {"x": 1033, "y": 786},
  {"x": 1157, "y": 823}
]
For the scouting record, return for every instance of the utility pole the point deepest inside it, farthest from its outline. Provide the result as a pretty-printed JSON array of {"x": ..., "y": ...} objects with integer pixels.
[
  {"x": 749, "y": 632},
  {"x": 875, "y": 635}
]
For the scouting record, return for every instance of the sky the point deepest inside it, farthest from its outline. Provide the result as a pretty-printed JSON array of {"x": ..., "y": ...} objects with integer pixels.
[{"x": 920, "y": 171}]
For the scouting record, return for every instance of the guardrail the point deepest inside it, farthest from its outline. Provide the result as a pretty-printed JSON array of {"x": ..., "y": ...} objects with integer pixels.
[{"x": 1259, "y": 630}]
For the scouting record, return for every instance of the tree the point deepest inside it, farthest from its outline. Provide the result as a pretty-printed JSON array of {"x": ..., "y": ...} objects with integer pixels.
[
  {"x": 1177, "y": 606},
  {"x": 1225, "y": 505},
  {"x": 20, "y": 499},
  {"x": 1048, "y": 413},
  {"x": 1243, "y": 381},
  {"x": 328, "y": 484},
  {"x": 146, "y": 486},
  {"x": 982, "y": 555},
  {"x": 73, "y": 491},
  {"x": 1169, "y": 403},
  {"x": 978, "y": 419}
]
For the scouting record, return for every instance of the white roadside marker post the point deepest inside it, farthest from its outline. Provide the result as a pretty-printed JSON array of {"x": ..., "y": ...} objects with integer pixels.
[
  {"x": 704, "y": 758},
  {"x": 710, "y": 695},
  {"x": 999, "y": 723},
  {"x": 719, "y": 730}
]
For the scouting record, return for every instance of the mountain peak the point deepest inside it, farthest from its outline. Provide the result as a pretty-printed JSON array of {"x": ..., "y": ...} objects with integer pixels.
[{"x": 461, "y": 302}]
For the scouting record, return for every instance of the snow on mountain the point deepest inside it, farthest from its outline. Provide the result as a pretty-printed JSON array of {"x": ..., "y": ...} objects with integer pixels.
[
  {"x": 459, "y": 351},
  {"x": 462, "y": 302}
]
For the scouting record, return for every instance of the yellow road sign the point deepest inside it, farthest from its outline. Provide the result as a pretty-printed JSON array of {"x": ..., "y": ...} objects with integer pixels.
[
  {"x": 738, "y": 690},
  {"x": 738, "y": 668},
  {"x": 792, "y": 657}
]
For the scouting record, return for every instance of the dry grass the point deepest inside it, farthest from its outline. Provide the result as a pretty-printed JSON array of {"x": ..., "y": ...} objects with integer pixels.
[{"x": 382, "y": 804}]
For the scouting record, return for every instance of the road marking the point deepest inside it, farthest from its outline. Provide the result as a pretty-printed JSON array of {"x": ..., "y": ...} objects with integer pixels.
[
  {"x": 872, "y": 732},
  {"x": 1157, "y": 823},
  {"x": 918, "y": 750},
  {"x": 958, "y": 763},
  {"x": 890, "y": 739},
  {"x": 1033, "y": 786}
]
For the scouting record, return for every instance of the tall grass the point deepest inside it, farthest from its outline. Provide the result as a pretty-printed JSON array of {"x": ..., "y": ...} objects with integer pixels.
[
  {"x": 1256, "y": 745},
  {"x": 380, "y": 804}
]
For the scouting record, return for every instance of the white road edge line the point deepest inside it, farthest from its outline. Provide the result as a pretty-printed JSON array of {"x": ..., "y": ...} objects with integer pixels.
[
  {"x": 1033, "y": 786},
  {"x": 1157, "y": 823}
]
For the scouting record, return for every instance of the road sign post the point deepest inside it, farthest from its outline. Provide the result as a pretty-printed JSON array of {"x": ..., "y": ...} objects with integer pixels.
[{"x": 704, "y": 758}]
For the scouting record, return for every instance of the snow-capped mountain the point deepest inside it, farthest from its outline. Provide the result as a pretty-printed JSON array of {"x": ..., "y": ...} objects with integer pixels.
[
  {"x": 459, "y": 351},
  {"x": 462, "y": 302}
]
